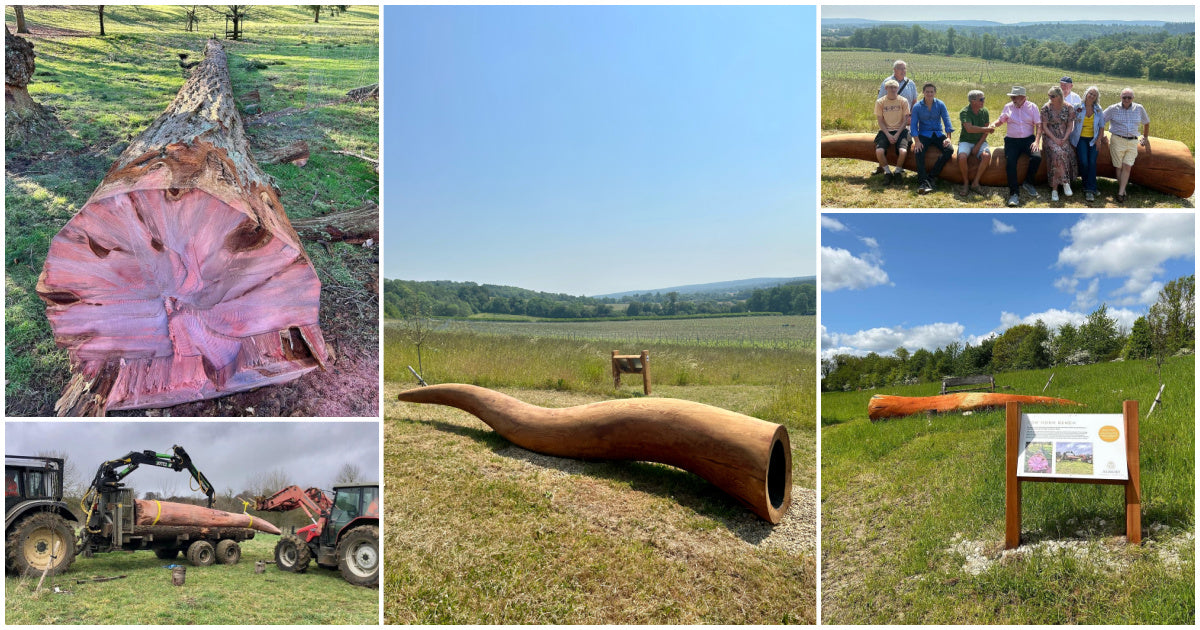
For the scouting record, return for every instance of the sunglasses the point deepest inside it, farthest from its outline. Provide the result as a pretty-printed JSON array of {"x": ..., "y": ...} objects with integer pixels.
[{"x": 1126, "y": 98}]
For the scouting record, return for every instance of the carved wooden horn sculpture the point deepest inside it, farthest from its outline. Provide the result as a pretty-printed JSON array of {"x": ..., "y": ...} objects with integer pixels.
[
  {"x": 1168, "y": 166},
  {"x": 748, "y": 458},
  {"x": 882, "y": 406}
]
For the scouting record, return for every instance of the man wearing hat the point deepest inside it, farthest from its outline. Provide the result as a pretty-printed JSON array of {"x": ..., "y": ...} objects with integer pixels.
[
  {"x": 1069, "y": 97},
  {"x": 1123, "y": 119},
  {"x": 1023, "y": 136}
]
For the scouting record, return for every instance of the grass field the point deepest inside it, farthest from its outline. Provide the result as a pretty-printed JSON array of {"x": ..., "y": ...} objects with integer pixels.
[
  {"x": 106, "y": 90},
  {"x": 219, "y": 594},
  {"x": 850, "y": 82},
  {"x": 913, "y": 513},
  {"x": 481, "y": 531}
]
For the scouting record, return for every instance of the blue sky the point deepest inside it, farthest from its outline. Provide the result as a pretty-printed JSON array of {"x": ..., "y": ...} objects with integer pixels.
[
  {"x": 1024, "y": 13},
  {"x": 925, "y": 280},
  {"x": 523, "y": 144}
]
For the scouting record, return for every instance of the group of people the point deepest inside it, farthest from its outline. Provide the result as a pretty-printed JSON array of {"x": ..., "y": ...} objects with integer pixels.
[{"x": 1068, "y": 130}]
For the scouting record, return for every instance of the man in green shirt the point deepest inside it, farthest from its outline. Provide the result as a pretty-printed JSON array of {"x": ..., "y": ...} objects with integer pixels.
[{"x": 973, "y": 140}]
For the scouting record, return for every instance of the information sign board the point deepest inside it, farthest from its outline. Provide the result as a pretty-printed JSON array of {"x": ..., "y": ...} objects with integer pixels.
[{"x": 1073, "y": 446}]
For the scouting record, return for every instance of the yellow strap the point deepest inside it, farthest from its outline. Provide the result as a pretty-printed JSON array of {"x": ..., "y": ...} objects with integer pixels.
[
  {"x": 159, "y": 515},
  {"x": 251, "y": 521}
]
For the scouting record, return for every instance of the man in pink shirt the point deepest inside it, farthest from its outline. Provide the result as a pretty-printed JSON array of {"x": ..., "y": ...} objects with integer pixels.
[{"x": 1023, "y": 135}]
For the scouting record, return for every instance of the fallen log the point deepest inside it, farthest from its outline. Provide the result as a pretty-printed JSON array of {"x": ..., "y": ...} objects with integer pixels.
[
  {"x": 181, "y": 277},
  {"x": 168, "y": 513},
  {"x": 747, "y": 458},
  {"x": 353, "y": 226},
  {"x": 294, "y": 153},
  {"x": 882, "y": 406},
  {"x": 1168, "y": 166}
]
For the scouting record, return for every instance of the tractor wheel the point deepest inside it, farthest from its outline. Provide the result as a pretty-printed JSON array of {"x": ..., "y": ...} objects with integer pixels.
[
  {"x": 292, "y": 554},
  {"x": 166, "y": 554},
  {"x": 228, "y": 552},
  {"x": 358, "y": 556},
  {"x": 201, "y": 553},
  {"x": 31, "y": 545}
]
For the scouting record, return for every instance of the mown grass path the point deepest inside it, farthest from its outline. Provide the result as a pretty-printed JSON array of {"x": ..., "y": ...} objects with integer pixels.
[{"x": 913, "y": 513}]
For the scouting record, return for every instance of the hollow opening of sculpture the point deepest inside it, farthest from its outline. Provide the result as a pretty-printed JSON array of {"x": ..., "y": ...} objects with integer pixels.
[{"x": 777, "y": 475}]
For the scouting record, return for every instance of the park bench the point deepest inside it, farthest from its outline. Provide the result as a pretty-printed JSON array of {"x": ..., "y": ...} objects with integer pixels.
[
  {"x": 980, "y": 383},
  {"x": 631, "y": 364}
]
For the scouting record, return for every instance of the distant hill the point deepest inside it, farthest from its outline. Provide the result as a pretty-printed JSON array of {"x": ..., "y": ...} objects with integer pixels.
[
  {"x": 731, "y": 287},
  {"x": 444, "y": 298}
]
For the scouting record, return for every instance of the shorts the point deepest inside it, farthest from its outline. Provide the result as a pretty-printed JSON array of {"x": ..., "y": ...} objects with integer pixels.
[
  {"x": 964, "y": 148},
  {"x": 1122, "y": 151},
  {"x": 902, "y": 141}
]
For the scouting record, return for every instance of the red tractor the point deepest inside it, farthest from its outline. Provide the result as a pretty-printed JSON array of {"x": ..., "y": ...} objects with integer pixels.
[{"x": 344, "y": 531}]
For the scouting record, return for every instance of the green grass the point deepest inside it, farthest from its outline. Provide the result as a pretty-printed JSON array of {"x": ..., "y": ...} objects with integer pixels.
[
  {"x": 106, "y": 90},
  {"x": 850, "y": 82},
  {"x": 219, "y": 594},
  {"x": 480, "y": 531},
  {"x": 909, "y": 503}
]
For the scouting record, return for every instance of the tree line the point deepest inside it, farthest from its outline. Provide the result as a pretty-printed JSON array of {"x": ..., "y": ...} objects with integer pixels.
[
  {"x": 1139, "y": 52},
  {"x": 1168, "y": 327},
  {"x": 444, "y": 298}
]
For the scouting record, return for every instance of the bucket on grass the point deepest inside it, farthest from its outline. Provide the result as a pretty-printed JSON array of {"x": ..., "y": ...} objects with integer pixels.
[{"x": 177, "y": 575}]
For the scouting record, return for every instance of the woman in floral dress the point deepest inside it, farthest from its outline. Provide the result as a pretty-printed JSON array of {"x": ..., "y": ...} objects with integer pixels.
[{"x": 1058, "y": 121}]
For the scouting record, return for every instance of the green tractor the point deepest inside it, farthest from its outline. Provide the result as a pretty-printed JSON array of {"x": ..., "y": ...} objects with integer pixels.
[{"x": 39, "y": 529}]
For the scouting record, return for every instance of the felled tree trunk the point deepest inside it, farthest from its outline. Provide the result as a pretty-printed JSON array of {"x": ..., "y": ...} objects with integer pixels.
[
  {"x": 181, "y": 278},
  {"x": 1168, "y": 166},
  {"x": 24, "y": 118},
  {"x": 166, "y": 513},
  {"x": 353, "y": 226}
]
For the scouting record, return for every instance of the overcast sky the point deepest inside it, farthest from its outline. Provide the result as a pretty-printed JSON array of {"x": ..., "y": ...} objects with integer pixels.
[
  {"x": 1010, "y": 13},
  {"x": 925, "y": 280},
  {"x": 230, "y": 454}
]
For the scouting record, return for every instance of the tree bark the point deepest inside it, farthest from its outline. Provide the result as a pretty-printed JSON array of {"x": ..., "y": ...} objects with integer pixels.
[
  {"x": 26, "y": 123},
  {"x": 181, "y": 278},
  {"x": 100, "y": 10},
  {"x": 353, "y": 226},
  {"x": 294, "y": 153},
  {"x": 882, "y": 406}
]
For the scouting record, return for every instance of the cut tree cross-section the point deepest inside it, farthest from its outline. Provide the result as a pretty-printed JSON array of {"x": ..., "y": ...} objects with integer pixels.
[{"x": 182, "y": 278}]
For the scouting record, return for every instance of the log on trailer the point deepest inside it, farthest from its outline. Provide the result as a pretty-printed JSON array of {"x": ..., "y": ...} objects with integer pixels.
[
  {"x": 882, "y": 406},
  {"x": 181, "y": 278},
  {"x": 748, "y": 458},
  {"x": 1168, "y": 166},
  {"x": 167, "y": 513}
]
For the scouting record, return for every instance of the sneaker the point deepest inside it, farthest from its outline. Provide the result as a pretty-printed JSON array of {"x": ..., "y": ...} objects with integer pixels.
[
  {"x": 899, "y": 174},
  {"x": 1121, "y": 198},
  {"x": 878, "y": 170},
  {"x": 887, "y": 178},
  {"x": 1054, "y": 195},
  {"x": 1029, "y": 190},
  {"x": 1089, "y": 196},
  {"x": 1067, "y": 190},
  {"x": 1014, "y": 201}
]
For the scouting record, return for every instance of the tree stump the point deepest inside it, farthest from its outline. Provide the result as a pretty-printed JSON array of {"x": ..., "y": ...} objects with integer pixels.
[
  {"x": 181, "y": 278},
  {"x": 25, "y": 120}
]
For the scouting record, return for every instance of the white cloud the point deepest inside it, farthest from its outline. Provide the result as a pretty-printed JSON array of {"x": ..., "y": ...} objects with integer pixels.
[
  {"x": 1130, "y": 246},
  {"x": 1002, "y": 228},
  {"x": 1089, "y": 297},
  {"x": 884, "y": 340},
  {"x": 1066, "y": 284},
  {"x": 832, "y": 224},
  {"x": 872, "y": 243},
  {"x": 1055, "y": 318},
  {"x": 841, "y": 270}
]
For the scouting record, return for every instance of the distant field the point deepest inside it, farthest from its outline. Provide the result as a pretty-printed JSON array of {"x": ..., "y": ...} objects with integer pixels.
[
  {"x": 782, "y": 332},
  {"x": 913, "y": 512},
  {"x": 850, "y": 82}
]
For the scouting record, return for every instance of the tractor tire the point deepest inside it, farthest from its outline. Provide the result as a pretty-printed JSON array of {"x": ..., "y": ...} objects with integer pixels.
[
  {"x": 201, "y": 553},
  {"x": 292, "y": 554},
  {"x": 30, "y": 546},
  {"x": 358, "y": 556},
  {"x": 228, "y": 552},
  {"x": 166, "y": 554}
]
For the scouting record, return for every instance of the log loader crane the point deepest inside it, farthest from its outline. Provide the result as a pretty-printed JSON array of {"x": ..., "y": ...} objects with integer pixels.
[{"x": 344, "y": 531}]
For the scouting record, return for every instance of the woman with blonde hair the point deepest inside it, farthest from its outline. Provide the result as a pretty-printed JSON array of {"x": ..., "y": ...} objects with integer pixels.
[
  {"x": 1089, "y": 127},
  {"x": 1058, "y": 122}
]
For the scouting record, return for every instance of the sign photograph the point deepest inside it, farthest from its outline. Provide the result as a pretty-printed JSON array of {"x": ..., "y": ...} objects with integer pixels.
[{"x": 1081, "y": 446}]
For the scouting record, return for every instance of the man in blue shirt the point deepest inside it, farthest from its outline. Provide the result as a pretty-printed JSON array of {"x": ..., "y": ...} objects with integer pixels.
[{"x": 931, "y": 129}]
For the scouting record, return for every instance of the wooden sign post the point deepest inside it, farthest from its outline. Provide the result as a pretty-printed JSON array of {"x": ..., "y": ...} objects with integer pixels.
[
  {"x": 1012, "y": 495},
  {"x": 631, "y": 364}
]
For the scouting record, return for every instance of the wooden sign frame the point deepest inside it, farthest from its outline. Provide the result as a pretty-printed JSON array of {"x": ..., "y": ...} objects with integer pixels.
[
  {"x": 1012, "y": 491},
  {"x": 625, "y": 364}
]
